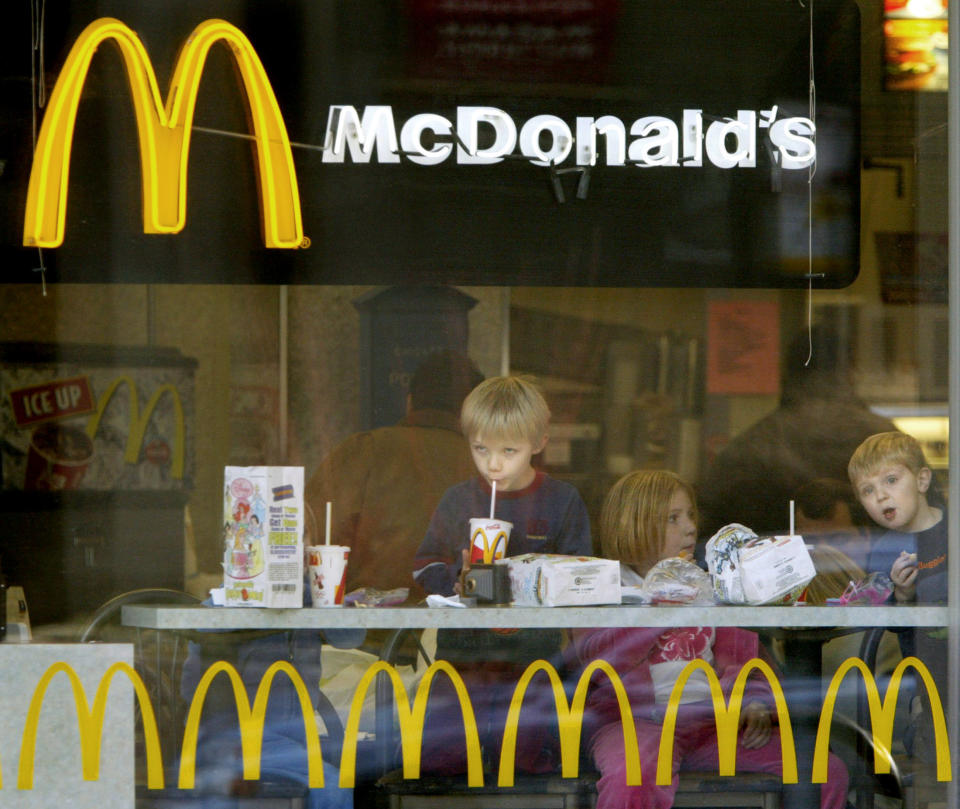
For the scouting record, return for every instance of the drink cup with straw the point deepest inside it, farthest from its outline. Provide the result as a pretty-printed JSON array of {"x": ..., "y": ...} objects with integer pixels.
[
  {"x": 327, "y": 565},
  {"x": 489, "y": 536}
]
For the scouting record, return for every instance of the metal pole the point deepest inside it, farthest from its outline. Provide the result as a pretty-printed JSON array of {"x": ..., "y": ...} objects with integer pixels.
[{"x": 953, "y": 518}]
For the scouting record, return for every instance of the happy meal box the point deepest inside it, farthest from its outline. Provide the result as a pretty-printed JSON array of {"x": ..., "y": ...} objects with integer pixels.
[{"x": 263, "y": 536}]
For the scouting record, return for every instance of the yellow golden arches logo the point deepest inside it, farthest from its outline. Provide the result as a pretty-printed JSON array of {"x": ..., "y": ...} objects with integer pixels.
[
  {"x": 490, "y": 548},
  {"x": 164, "y": 132},
  {"x": 727, "y": 719},
  {"x": 251, "y": 722},
  {"x": 881, "y": 717},
  {"x": 90, "y": 723},
  {"x": 411, "y": 721},
  {"x": 138, "y": 423},
  {"x": 569, "y": 720}
]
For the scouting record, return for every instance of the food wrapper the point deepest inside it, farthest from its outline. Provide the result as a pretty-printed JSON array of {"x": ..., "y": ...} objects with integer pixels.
[
  {"x": 677, "y": 581},
  {"x": 747, "y": 569},
  {"x": 723, "y": 561},
  {"x": 873, "y": 590},
  {"x": 372, "y": 597},
  {"x": 554, "y": 580}
]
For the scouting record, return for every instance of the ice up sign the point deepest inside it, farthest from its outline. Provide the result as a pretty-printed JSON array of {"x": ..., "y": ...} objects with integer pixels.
[{"x": 263, "y": 536}]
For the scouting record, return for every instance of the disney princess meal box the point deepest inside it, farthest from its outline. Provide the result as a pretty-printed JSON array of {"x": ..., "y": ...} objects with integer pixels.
[{"x": 263, "y": 536}]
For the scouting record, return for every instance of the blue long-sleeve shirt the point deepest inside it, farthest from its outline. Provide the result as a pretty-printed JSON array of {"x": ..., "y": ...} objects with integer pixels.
[{"x": 548, "y": 516}]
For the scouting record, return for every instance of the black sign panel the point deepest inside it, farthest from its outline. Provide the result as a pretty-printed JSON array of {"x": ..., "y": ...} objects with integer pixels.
[{"x": 687, "y": 87}]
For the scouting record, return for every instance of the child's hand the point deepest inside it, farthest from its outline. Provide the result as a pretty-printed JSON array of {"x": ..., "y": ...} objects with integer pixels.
[
  {"x": 755, "y": 726},
  {"x": 458, "y": 586},
  {"x": 903, "y": 574}
]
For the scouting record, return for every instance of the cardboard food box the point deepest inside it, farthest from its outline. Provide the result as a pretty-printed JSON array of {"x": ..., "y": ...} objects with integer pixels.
[
  {"x": 263, "y": 536},
  {"x": 747, "y": 569},
  {"x": 775, "y": 568},
  {"x": 553, "y": 580}
]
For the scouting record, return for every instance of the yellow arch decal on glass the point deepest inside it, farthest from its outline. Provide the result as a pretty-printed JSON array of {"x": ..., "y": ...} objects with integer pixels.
[
  {"x": 569, "y": 720},
  {"x": 881, "y": 717},
  {"x": 164, "y": 135},
  {"x": 727, "y": 718},
  {"x": 251, "y": 722},
  {"x": 411, "y": 721},
  {"x": 90, "y": 723}
]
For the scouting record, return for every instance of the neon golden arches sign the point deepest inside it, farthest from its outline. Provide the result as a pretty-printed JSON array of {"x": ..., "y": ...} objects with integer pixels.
[
  {"x": 569, "y": 720},
  {"x": 881, "y": 717},
  {"x": 251, "y": 722},
  {"x": 164, "y": 133},
  {"x": 727, "y": 719},
  {"x": 411, "y": 721},
  {"x": 90, "y": 723}
]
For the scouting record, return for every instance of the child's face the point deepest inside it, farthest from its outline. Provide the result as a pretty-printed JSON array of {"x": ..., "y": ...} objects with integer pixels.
[
  {"x": 895, "y": 497},
  {"x": 680, "y": 534},
  {"x": 506, "y": 461}
]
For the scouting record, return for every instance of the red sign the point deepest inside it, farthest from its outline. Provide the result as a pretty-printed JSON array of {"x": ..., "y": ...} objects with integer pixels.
[
  {"x": 52, "y": 400},
  {"x": 743, "y": 354}
]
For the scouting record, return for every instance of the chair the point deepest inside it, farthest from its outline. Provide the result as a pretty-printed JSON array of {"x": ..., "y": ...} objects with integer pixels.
[
  {"x": 158, "y": 658},
  {"x": 910, "y": 780}
]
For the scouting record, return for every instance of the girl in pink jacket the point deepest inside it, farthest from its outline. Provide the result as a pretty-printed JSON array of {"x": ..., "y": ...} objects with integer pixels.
[{"x": 649, "y": 516}]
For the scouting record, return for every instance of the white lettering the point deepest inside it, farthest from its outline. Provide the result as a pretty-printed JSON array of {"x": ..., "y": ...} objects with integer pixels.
[
  {"x": 561, "y": 140},
  {"x": 658, "y": 149},
  {"x": 794, "y": 138},
  {"x": 744, "y": 133},
  {"x": 411, "y": 139},
  {"x": 38, "y": 402},
  {"x": 344, "y": 129},
  {"x": 487, "y": 135},
  {"x": 693, "y": 138},
  {"x": 468, "y": 124},
  {"x": 615, "y": 140},
  {"x": 63, "y": 398}
]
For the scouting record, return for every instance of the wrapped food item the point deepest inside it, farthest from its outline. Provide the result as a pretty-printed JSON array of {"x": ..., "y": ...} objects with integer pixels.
[
  {"x": 747, "y": 569},
  {"x": 874, "y": 589},
  {"x": 723, "y": 561},
  {"x": 677, "y": 580},
  {"x": 372, "y": 597}
]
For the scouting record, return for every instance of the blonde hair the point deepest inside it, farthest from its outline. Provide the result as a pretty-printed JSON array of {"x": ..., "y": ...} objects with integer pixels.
[
  {"x": 885, "y": 448},
  {"x": 633, "y": 520},
  {"x": 510, "y": 407}
]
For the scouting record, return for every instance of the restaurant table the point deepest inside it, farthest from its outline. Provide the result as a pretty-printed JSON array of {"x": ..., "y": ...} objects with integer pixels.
[{"x": 803, "y": 629}]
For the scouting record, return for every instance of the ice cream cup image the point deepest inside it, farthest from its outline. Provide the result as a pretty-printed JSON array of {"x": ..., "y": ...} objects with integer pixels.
[
  {"x": 327, "y": 572},
  {"x": 58, "y": 457},
  {"x": 488, "y": 539}
]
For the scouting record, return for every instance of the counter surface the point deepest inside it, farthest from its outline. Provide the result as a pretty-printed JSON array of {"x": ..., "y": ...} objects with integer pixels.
[{"x": 226, "y": 618}]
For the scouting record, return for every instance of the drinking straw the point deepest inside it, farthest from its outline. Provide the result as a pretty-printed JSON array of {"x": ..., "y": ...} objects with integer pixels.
[
  {"x": 791, "y": 518},
  {"x": 329, "y": 507},
  {"x": 493, "y": 496}
]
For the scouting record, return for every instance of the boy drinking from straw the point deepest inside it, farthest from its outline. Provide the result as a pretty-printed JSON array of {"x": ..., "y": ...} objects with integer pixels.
[{"x": 506, "y": 420}]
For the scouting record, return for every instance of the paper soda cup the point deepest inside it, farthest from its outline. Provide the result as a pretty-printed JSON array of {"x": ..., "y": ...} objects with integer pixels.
[
  {"x": 488, "y": 539},
  {"x": 327, "y": 566},
  {"x": 58, "y": 457}
]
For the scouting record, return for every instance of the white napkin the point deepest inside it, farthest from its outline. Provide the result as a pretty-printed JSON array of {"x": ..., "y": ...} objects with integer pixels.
[{"x": 444, "y": 601}]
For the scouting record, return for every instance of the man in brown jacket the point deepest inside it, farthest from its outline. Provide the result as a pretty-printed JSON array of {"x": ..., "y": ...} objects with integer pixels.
[{"x": 385, "y": 483}]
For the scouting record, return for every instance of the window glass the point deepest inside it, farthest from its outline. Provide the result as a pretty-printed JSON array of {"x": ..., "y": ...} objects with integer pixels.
[{"x": 714, "y": 237}]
